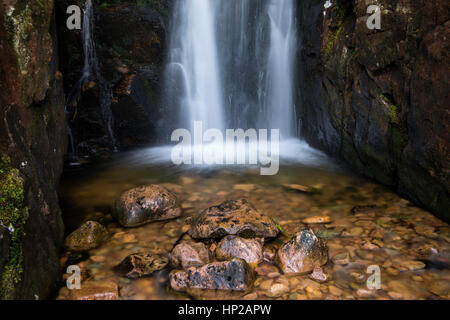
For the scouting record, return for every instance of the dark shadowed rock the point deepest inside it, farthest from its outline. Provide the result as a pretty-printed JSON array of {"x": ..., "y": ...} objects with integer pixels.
[
  {"x": 233, "y": 275},
  {"x": 146, "y": 204},
  {"x": 190, "y": 254},
  {"x": 140, "y": 265},
  {"x": 89, "y": 236},
  {"x": 250, "y": 250},
  {"x": 302, "y": 253},
  {"x": 233, "y": 217},
  {"x": 96, "y": 290}
]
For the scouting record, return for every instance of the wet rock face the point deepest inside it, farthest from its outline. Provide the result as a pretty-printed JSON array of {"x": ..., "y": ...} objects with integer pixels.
[
  {"x": 233, "y": 275},
  {"x": 250, "y": 250},
  {"x": 32, "y": 136},
  {"x": 89, "y": 236},
  {"x": 302, "y": 253},
  {"x": 190, "y": 254},
  {"x": 379, "y": 99},
  {"x": 140, "y": 265},
  {"x": 233, "y": 217},
  {"x": 130, "y": 40},
  {"x": 146, "y": 204}
]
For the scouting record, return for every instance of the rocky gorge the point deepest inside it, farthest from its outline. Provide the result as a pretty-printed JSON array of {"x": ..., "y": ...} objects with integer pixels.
[{"x": 375, "y": 99}]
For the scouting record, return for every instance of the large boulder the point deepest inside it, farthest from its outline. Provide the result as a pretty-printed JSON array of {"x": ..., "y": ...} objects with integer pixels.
[
  {"x": 89, "y": 236},
  {"x": 190, "y": 254},
  {"x": 233, "y": 275},
  {"x": 232, "y": 217},
  {"x": 302, "y": 253},
  {"x": 140, "y": 265},
  {"x": 250, "y": 250},
  {"x": 146, "y": 204}
]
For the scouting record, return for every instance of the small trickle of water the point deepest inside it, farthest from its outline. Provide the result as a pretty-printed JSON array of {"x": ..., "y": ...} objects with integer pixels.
[{"x": 90, "y": 72}]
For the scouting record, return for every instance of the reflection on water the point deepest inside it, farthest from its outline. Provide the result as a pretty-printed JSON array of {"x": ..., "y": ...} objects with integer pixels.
[{"x": 370, "y": 225}]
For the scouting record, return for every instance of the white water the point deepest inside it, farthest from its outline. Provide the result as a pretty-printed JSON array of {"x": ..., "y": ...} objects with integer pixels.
[
  {"x": 232, "y": 64},
  {"x": 280, "y": 103},
  {"x": 194, "y": 61}
]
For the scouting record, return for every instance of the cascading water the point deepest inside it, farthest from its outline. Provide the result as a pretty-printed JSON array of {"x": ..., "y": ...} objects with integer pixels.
[
  {"x": 231, "y": 64},
  {"x": 280, "y": 101},
  {"x": 194, "y": 65},
  {"x": 90, "y": 72}
]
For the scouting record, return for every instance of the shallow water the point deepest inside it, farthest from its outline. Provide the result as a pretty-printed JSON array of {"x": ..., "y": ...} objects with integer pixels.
[{"x": 370, "y": 225}]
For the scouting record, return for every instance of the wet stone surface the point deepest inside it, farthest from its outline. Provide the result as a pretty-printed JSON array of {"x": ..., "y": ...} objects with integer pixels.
[
  {"x": 232, "y": 217},
  {"x": 89, "y": 236},
  {"x": 145, "y": 204},
  {"x": 234, "y": 275},
  {"x": 368, "y": 225}
]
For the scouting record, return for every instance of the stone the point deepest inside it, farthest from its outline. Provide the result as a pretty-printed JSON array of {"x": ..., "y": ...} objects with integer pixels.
[
  {"x": 251, "y": 296},
  {"x": 413, "y": 265},
  {"x": 335, "y": 291},
  {"x": 364, "y": 293},
  {"x": 441, "y": 288},
  {"x": 89, "y": 236},
  {"x": 302, "y": 253},
  {"x": 277, "y": 290},
  {"x": 318, "y": 275},
  {"x": 190, "y": 254},
  {"x": 250, "y": 250},
  {"x": 327, "y": 234},
  {"x": 96, "y": 290},
  {"x": 146, "y": 204},
  {"x": 232, "y": 217},
  {"x": 140, "y": 265},
  {"x": 265, "y": 269},
  {"x": 233, "y": 275},
  {"x": 342, "y": 258},
  {"x": 313, "y": 292},
  {"x": 356, "y": 231},
  {"x": 244, "y": 187},
  {"x": 317, "y": 220},
  {"x": 299, "y": 188}
]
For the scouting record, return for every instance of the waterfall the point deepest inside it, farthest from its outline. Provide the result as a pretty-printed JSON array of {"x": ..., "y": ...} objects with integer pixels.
[
  {"x": 194, "y": 63},
  {"x": 231, "y": 64},
  {"x": 90, "y": 71},
  {"x": 280, "y": 96}
]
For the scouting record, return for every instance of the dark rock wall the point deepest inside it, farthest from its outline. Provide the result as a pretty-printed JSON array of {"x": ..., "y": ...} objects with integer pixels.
[
  {"x": 32, "y": 145},
  {"x": 379, "y": 99},
  {"x": 130, "y": 38}
]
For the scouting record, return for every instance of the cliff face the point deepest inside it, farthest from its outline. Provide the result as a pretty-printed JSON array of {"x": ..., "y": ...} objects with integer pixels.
[
  {"x": 121, "y": 106},
  {"x": 379, "y": 99},
  {"x": 32, "y": 145}
]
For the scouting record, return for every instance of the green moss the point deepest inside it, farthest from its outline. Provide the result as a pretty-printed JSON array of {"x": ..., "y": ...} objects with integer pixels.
[
  {"x": 393, "y": 110},
  {"x": 332, "y": 40},
  {"x": 13, "y": 215}
]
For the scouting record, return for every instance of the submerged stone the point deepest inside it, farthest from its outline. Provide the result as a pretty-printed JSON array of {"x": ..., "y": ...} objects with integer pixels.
[
  {"x": 146, "y": 204},
  {"x": 233, "y": 275},
  {"x": 96, "y": 290},
  {"x": 250, "y": 250},
  {"x": 302, "y": 253},
  {"x": 89, "y": 236},
  {"x": 190, "y": 254},
  {"x": 232, "y": 217},
  {"x": 140, "y": 265}
]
